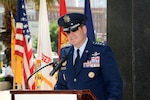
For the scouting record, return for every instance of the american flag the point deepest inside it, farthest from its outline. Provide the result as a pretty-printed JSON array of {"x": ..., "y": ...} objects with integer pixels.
[{"x": 23, "y": 47}]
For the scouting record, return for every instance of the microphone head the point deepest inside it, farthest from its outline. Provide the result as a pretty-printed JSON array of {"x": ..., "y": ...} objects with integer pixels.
[{"x": 57, "y": 66}]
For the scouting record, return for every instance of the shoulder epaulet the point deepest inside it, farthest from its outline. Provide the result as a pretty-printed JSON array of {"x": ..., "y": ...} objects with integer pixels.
[
  {"x": 98, "y": 43},
  {"x": 66, "y": 46},
  {"x": 65, "y": 50}
]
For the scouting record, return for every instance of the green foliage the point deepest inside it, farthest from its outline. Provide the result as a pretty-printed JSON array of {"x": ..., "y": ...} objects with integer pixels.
[
  {"x": 54, "y": 35},
  {"x": 98, "y": 39},
  {"x": 35, "y": 41},
  {"x": 2, "y": 79}
]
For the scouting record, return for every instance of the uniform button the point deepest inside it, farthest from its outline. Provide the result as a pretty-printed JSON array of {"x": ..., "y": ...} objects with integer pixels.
[{"x": 75, "y": 80}]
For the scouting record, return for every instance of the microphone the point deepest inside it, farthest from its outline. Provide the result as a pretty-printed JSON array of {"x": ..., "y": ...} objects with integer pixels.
[
  {"x": 26, "y": 85},
  {"x": 58, "y": 65}
]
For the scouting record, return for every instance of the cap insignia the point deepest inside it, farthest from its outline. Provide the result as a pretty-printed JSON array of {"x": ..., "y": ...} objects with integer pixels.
[{"x": 66, "y": 18}]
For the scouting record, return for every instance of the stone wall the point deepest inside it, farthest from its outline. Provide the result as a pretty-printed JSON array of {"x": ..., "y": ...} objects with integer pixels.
[{"x": 128, "y": 30}]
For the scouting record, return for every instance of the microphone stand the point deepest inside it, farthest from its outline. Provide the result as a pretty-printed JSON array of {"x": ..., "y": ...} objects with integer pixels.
[{"x": 26, "y": 85}]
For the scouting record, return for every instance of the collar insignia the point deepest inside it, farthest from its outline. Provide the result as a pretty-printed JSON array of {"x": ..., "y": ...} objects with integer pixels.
[
  {"x": 64, "y": 64},
  {"x": 86, "y": 51}
]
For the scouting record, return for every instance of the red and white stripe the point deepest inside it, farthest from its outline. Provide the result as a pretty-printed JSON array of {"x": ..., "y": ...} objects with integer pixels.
[{"x": 23, "y": 48}]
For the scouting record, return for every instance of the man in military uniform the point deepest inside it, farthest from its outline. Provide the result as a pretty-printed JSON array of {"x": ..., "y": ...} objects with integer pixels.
[{"x": 93, "y": 66}]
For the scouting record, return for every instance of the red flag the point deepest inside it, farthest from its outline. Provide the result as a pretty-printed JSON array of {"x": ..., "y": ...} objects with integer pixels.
[
  {"x": 23, "y": 47},
  {"x": 62, "y": 37}
]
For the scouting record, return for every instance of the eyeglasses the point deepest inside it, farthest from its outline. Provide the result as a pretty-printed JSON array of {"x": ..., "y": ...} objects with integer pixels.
[{"x": 72, "y": 30}]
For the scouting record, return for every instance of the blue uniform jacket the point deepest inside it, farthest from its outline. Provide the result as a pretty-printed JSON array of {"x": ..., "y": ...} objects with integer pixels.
[{"x": 97, "y": 70}]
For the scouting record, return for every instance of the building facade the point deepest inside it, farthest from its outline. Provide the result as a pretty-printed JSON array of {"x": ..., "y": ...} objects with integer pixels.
[{"x": 98, "y": 14}]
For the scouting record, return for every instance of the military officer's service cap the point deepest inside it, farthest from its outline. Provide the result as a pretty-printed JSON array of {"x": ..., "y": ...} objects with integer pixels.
[{"x": 71, "y": 21}]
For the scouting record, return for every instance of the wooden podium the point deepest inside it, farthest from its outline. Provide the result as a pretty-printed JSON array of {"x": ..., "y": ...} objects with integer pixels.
[{"x": 52, "y": 95}]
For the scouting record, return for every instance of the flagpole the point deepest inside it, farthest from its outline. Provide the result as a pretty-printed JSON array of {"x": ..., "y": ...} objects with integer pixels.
[
  {"x": 14, "y": 72},
  {"x": 38, "y": 64}
]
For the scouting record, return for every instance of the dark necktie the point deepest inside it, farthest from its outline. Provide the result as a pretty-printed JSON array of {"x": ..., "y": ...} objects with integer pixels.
[{"x": 77, "y": 58}]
